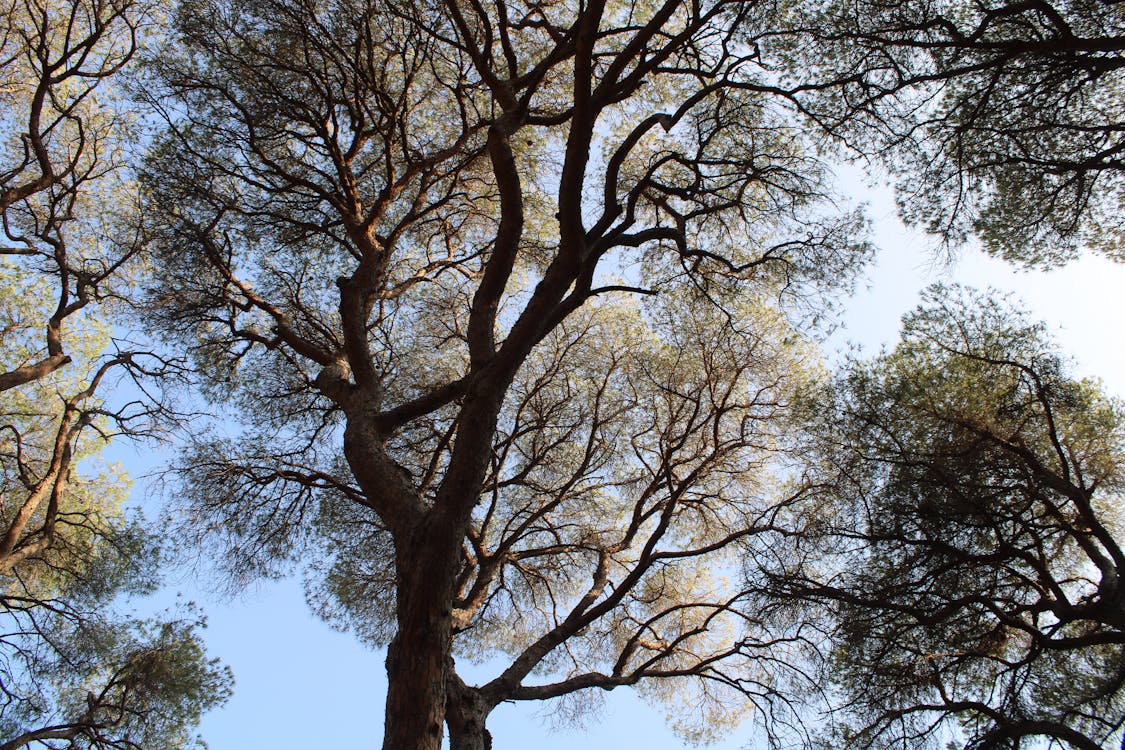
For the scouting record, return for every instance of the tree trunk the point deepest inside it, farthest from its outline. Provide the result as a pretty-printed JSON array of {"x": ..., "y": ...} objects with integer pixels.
[
  {"x": 419, "y": 656},
  {"x": 465, "y": 714}
]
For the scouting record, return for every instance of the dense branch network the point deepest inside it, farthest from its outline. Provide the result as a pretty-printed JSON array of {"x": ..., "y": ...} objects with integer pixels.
[
  {"x": 72, "y": 672},
  {"x": 969, "y": 493},
  {"x": 401, "y": 236},
  {"x": 1002, "y": 119},
  {"x": 496, "y": 291}
]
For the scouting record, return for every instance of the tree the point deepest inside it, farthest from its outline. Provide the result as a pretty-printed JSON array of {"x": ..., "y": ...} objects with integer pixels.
[
  {"x": 83, "y": 679},
  {"x": 55, "y": 151},
  {"x": 1003, "y": 118},
  {"x": 71, "y": 672},
  {"x": 969, "y": 492},
  {"x": 401, "y": 238}
]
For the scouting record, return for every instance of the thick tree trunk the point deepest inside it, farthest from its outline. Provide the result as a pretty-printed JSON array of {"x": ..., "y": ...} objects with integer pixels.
[
  {"x": 428, "y": 557},
  {"x": 419, "y": 656}
]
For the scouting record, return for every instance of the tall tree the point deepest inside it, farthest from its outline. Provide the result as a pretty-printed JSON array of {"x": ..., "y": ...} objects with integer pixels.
[
  {"x": 72, "y": 673},
  {"x": 401, "y": 237},
  {"x": 969, "y": 507}
]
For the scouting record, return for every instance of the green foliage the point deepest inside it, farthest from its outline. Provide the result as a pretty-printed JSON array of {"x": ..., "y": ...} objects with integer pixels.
[
  {"x": 1002, "y": 119},
  {"x": 113, "y": 684},
  {"x": 400, "y": 242},
  {"x": 971, "y": 491},
  {"x": 73, "y": 673}
]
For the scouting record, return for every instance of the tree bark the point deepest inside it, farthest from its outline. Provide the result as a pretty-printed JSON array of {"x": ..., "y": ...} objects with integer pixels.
[
  {"x": 466, "y": 712},
  {"x": 419, "y": 656}
]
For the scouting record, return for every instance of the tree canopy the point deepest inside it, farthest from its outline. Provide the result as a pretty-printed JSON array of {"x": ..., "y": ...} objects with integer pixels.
[
  {"x": 72, "y": 672},
  {"x": 411, "y": 233},
  {"x": 402, "y": 239},
  {"x": 998, "y": 118},
  {"x": 969, "y": 501},
  {"x": 506, "y": 310}
]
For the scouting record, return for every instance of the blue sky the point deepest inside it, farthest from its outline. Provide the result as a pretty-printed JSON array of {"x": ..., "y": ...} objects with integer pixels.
[{"x": 300, "y": 684}]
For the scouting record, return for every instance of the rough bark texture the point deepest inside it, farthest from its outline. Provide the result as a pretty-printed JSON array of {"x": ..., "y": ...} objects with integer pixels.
[
  {"x": 466, "y": 712},
  {"x": 419, "y": 656}
]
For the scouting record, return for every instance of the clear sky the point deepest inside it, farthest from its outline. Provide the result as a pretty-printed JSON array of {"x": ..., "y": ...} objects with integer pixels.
[{"x": 302, "y": 685}]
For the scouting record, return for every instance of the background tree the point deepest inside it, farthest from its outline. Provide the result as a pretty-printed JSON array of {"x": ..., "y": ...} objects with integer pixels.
[
  {"x": 71, "y": 673},
  {"x": 968, "y": 505},
  {"x": 401, "y": 237},
  {"x": 57, "y": 147},
  {"x": 1003, "y": 118}
]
